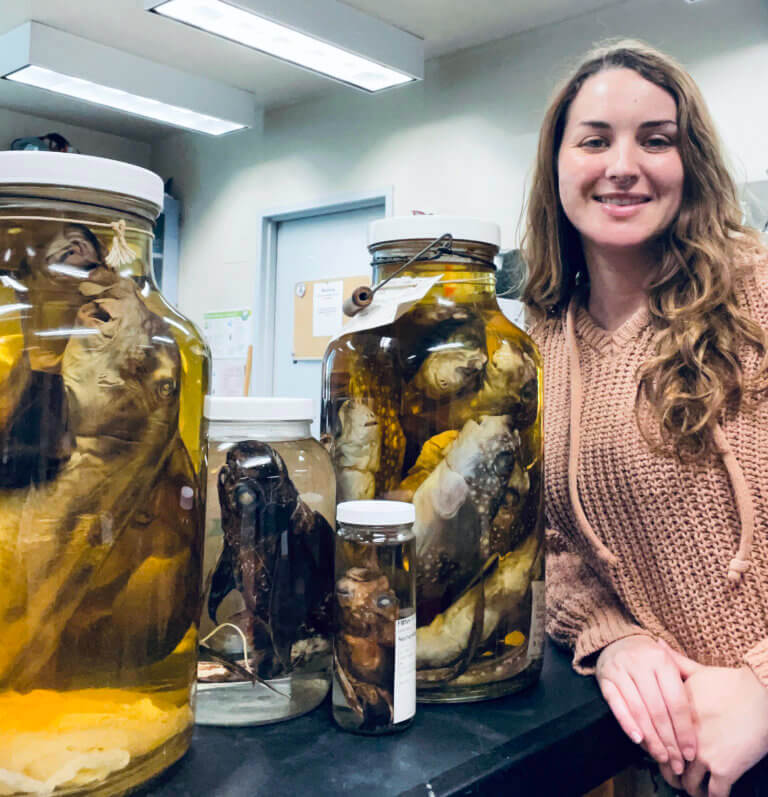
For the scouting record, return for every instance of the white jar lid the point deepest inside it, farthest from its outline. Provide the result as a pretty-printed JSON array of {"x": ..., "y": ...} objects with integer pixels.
[
  {"x": 375, "y": 513},
  {"x": 398, "y": 228},
  {"x": 80, "y": 171},
  {"x": 234, "y": 408}
]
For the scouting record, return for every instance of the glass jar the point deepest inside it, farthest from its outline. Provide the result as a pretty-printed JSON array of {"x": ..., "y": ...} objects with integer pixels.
[
  {"x": 101, "y": 483},
  {"x": 432, "y": 396},
  {"x": 265, "y": 628},
  {"x": 374, "y": 644}
]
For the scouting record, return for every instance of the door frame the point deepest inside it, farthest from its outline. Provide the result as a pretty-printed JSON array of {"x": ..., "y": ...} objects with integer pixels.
[{"x": 266, "y": 277}]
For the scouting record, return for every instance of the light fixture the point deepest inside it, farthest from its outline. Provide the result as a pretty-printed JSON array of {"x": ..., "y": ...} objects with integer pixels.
[
  {"x": 320, "y": 35},
  {"x": 36, "y": 55}
]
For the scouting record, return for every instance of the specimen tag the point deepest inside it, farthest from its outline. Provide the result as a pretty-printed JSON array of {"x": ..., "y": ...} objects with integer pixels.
[
  {"x": 405, "y": 669},
  {"x": 538, "y": 615},
  {"x": 390, "y": 302}
]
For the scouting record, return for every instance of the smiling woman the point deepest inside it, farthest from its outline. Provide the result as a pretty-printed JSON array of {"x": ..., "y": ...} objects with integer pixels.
[
  {"x": 620, "y": 172},
  {"x": 650, "y": 302}
]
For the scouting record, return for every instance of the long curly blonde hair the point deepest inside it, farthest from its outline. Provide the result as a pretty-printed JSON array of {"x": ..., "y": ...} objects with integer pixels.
[{"x": 696, "y": 371}]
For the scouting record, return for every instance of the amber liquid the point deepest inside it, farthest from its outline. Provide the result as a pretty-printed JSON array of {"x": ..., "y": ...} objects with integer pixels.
[
  {"x": 423, "y": 405},
  {"x": 375, "y": 587},
  {"x": 101, "y": 498}
]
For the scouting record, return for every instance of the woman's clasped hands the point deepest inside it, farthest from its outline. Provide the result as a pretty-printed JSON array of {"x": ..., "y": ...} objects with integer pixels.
[{"x": 705, "y": 726}]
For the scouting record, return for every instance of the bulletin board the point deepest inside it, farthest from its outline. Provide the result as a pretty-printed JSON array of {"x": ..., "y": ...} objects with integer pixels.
[{"x": 317, "y": 307}]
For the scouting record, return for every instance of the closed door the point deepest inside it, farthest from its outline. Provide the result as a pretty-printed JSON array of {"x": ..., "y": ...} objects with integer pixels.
[{"x": 331, "y": 246}]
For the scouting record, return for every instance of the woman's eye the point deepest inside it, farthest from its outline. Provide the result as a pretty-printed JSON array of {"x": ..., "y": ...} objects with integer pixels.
[
  {"x": 658, "y": 142},
  {"x": 594, "y": 143}
]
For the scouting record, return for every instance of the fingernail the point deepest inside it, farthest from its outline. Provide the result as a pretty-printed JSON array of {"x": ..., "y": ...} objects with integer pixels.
[
  {"x": 677, "y": 767},
  {"x": 637, "y": 738},
  {"x": 689, "y": 753}
]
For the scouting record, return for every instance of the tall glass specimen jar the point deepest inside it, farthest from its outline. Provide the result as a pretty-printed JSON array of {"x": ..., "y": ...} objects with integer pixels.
[
  {"x": 432, "y": 396},
  {"x": 101, "y": 483},
  {"x": 265, "y": 629}
]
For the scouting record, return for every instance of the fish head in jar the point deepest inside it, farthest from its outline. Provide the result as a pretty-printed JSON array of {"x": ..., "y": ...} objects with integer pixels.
[
  {"x": 73, "y": 249},
  {"x": 121, "y": 368},
  {"x": 367, "y": 604},
  {"x": 485, "y": 452},
  {"x": 256, "y": 494}
]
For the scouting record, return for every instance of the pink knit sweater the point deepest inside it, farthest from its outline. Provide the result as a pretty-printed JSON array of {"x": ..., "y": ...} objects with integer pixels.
[{"x": 640, "y": 543}]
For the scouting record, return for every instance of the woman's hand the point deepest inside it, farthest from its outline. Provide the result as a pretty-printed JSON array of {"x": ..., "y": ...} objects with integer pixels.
[
  {"x": 730, "y": 708},
  {"x": 644, "y": 689}
]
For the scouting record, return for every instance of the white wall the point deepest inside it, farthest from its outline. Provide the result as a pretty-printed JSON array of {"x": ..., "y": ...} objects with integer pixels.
[
  {"x": 89, "y": 142},
  {"x": 461, "y": 142}
]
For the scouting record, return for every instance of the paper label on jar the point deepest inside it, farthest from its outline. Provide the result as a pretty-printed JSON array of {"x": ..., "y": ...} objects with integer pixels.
[
  {"x": 405, "y": 669},
  {"x": 538, "y": 618},
  {"x": 390, "y": 302}
]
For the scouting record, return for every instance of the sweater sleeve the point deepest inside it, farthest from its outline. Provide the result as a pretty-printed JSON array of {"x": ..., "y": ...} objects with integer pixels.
[
  {"x": 756, "y": 659},
  {"x": 582, "y": 613}
]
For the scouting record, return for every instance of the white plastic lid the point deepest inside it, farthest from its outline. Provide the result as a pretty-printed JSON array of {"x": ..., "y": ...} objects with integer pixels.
[
  {"x": 80, "y": 171},
  {"x": 398, "y": 228},
  {"x": 234, "y": 408},
  {"x": 375, "y": 513}
]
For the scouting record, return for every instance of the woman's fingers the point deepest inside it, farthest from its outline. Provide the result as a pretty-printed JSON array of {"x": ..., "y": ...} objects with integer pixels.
[
  {"x": 672, "y": 779},
  {"x": 648, "y": 687},
  {"x": 679, "y": 709},
  {"x": 693, "y": 779},
  {"x": 639, "y": 710},
  {"x": 620, "y": 710}
]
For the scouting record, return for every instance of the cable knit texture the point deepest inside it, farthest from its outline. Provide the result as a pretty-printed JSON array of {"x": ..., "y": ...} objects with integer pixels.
[{"x": 665, "y": 532}]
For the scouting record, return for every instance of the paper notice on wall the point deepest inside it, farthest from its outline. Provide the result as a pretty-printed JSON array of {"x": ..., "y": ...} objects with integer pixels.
[
  {"x": 228, "y": 376},
  {"x": 228, "y": 332},
  {"x": 327, "y": 300}
]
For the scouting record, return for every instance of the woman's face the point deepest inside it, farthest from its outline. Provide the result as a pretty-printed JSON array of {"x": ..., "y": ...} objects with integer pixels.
[{"x": 619, "y": 166}]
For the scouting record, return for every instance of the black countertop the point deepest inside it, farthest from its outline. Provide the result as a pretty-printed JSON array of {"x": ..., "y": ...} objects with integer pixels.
[{"x": 556, "y": 738}]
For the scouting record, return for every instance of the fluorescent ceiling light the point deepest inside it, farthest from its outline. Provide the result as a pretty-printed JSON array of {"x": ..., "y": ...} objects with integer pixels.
[
  {"x": 121, "y": 100},
  {"x": 324, "y": 36},
  {"x": 45, "y": 58}
]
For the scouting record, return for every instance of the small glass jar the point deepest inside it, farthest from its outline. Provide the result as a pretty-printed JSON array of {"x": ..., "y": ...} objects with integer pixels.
[
  {"x": 265, "y": 628},
  {"x": 374, "y": 650}
]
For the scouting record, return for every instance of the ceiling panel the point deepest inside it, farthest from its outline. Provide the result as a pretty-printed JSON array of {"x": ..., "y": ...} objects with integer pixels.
[{"x": 445, "y": 25}]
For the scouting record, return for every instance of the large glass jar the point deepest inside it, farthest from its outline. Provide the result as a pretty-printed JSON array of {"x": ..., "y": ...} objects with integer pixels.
[
  {"x": 265, "y": 649},
  {"x": 101, "y": 483},
  {"x": 440, "y": 406}
]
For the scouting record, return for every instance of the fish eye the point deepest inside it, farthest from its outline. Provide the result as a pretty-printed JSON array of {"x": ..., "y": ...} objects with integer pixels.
[
  {"x": 530, "y": 391},
  {"x": 503, "y": 463},
  {"x": 244, "y": 495},
  {"x": 166, "y": 388},
  {"x": 384, "y": 601}
]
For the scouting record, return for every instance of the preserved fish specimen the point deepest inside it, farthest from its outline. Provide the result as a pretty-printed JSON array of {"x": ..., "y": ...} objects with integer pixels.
[
  {"x": 101, "y": 387},
  {"x": 278, "y": 553},
  {"x": 458, "y": 386}
]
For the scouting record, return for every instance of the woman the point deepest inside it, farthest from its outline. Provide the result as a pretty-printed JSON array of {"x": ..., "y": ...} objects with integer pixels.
[{"x": 650, "y": 301}]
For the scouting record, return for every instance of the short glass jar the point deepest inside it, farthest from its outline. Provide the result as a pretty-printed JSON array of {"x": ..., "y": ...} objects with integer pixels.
[
  {"x": 265, "y": 626},
  {"x": 374, "y": 650}
]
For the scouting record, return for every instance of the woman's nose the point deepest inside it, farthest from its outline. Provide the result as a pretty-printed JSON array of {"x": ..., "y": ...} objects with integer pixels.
[{"x": 622, "y": 166}]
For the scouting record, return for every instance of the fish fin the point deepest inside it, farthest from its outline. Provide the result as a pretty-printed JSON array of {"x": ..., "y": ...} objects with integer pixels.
[
  {"x": 346, "y": 687},
  {"x": 450, "y": 493},
  {"x": 238, "y": 669},
  {"x": 442, "y": 675},
  {"x": 222, "y": 581}
]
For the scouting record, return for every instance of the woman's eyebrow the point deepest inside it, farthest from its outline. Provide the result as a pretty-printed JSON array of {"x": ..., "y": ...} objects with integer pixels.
[
  {"x": 593, "y": 123},
  {"x": 659, "y": 123}
]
